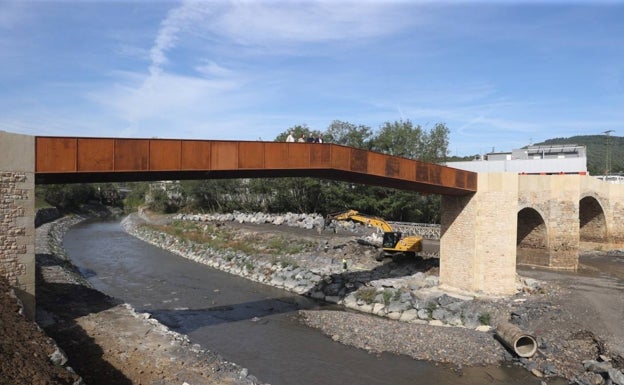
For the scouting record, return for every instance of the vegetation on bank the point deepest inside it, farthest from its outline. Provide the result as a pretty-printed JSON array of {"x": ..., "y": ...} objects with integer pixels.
[{"x": 217, "y": 237}]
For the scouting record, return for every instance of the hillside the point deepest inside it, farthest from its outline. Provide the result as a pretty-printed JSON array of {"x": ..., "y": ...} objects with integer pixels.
[{"x": 597, "y": 151}]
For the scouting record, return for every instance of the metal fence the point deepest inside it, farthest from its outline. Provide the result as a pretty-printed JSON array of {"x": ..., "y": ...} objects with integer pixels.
[{"x": 425, "y": 230}]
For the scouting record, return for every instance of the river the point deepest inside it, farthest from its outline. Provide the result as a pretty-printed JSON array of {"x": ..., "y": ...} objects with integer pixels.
[{"x": 251, "y": 324}]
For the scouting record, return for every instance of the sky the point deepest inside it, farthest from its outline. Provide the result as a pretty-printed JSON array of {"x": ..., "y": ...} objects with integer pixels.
[{"x": 500, "y": 74}]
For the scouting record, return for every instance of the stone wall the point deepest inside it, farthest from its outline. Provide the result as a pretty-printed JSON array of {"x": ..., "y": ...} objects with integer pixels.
[
  {"x": 478, "y": 242},
  {"x": 17, "y": 216},
  {"x": 610, "y": 197}
]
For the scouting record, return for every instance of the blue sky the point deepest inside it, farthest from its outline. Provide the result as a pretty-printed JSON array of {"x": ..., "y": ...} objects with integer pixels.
[{"x": 500, "y": 75}]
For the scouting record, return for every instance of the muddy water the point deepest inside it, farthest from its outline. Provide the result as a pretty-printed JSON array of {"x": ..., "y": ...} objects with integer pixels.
[{"x": 247, "y": 323}]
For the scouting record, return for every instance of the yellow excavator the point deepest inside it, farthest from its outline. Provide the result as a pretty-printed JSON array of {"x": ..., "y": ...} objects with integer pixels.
[{"x": 393, "y": 241}]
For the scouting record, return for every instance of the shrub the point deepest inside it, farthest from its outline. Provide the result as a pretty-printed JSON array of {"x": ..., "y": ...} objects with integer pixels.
[{"x": 366, "y": 294}]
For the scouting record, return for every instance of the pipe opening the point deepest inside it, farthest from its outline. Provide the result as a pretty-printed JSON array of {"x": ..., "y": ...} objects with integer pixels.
[
  {"x": 525, "y": 346},
  {"x": 522, "y": 344}
]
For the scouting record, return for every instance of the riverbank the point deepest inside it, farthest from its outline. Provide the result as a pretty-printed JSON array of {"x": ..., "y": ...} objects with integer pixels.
[
  {"x": 113, "y": 343},
  {"x": 109, "y": 342},
  {"x": 570, "y": 346}
]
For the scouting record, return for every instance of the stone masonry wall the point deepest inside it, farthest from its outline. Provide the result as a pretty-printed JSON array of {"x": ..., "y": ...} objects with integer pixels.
[
  {"x": 17, "y": 233},
  {"x": 17, "y": 216},
  {"x": 478, "y": 242}
]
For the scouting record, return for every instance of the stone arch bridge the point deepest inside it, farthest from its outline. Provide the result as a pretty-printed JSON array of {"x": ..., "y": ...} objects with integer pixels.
[{"x": 489, "y": 222}]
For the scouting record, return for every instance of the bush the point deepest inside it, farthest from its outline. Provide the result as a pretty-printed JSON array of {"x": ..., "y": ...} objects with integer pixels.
[{"x": 366, "y": 294}]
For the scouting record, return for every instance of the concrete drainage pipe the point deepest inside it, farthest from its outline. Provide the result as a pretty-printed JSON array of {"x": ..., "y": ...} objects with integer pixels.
[{"x": 522, "y": 344}]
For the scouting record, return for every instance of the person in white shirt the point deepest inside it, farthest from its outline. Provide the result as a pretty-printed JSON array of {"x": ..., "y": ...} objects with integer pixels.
[{"x": 290, "y": 137}]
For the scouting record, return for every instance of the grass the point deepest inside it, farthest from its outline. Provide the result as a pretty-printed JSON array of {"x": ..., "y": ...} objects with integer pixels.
[
  {"x": 366, "y": 294},
  {"x": 387, "y": 296},
  {"x": 221, "y": 237}
]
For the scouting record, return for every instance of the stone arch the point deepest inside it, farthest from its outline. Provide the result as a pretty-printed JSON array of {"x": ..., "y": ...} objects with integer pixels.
[
  {"x": 532, "y": 238},
  {"x": 592, "y": 221}
]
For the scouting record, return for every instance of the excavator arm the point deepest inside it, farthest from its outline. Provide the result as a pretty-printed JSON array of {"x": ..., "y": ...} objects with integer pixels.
[
  {"x": 354, "y": 215},
  {"x": 393, "y": 241}
]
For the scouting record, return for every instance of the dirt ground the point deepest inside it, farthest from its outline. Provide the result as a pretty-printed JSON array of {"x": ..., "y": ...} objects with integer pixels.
[{"x": 108, "y": 343}]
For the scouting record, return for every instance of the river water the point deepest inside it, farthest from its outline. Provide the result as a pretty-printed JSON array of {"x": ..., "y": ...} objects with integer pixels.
[{"x": 254, "y": 325}]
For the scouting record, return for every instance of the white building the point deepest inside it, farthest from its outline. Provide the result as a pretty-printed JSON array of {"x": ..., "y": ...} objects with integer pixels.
[{"x": 550, "y": 159}]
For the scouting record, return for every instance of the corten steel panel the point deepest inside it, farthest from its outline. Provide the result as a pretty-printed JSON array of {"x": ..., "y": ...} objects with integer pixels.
[
  {"x": 447, "y": 176},
  {"x": 195, "y": 155},
  {"x": 392, "y": 167},
  {"x": 407, "y": 169},
  {"x": 68, "y": 160},
  {"x": 55, "y": 154},
  {"x": 429, "y": 173},
  {"x": 251, "y": 155},
  {"x": 276, "y": 155},
  {"x": 376, "y": 164},
  {"x": 340, "y": 157},
  {"x": 299, "y": 155},
  {"x": 96, "y": 154},
  {"x": 471, "y": 180},
  {"x": 164, "y": 154},
  {"x": 422, "y": 172},
  {"x": 320, "y": 156},
  {"x": 131, "y": 154},
  {"x": 224, "y": 156},
  {"x": 435, "y": 176},
  {"x": 359, "y": 160}
]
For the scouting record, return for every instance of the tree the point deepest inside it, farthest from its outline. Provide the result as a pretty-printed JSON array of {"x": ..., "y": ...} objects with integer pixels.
[
  {"x": 298, "y": 130},
  {"x": 348, "y": 134},
  {"x": 67, "y": 197},
  {"x": 214, "y": 195},
  {"x": 435, "y": 146},
  {"x": 400, "y": 138}
]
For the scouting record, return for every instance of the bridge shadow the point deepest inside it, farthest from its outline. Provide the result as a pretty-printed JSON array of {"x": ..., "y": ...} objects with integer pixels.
[
  {"x": 62, "y": 298},
  {"x": 336, "y": 285}
]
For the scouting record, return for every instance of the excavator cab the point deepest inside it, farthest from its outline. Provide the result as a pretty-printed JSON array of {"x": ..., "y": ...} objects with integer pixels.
[{"x": 390, "y": 239}]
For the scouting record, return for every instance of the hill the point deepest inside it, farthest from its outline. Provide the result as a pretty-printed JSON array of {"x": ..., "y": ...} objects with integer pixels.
[{"x": 597, "y": 151}]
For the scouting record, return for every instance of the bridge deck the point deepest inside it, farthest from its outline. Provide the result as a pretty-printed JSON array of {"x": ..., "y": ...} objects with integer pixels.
[{"x": 78, "y": 159}]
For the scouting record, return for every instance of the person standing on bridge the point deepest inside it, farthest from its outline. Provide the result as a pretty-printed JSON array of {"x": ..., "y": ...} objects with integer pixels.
[
  {"x": 311, "y": 138},
  {"x": 290, "y": 138},
  {"x": 302, "y": 139},
  {"x": 319, "y": 139}
]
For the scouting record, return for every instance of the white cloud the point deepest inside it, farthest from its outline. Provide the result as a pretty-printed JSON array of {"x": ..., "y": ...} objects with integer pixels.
[
  {"x": 212, "y": 69},
  {"x": 256, "y": 22},
  {"x": 178, "y": 21},
  {"x": 166, "y": 95}
]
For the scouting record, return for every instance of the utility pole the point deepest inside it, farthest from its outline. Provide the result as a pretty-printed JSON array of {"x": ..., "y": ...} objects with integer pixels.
[{"x": 608, "y": 156}]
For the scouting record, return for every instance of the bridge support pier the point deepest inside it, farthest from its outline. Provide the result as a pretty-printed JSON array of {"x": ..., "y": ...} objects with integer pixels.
[
  {"x": 478, "y": 237},
  {"x": 17, "y": 216}
]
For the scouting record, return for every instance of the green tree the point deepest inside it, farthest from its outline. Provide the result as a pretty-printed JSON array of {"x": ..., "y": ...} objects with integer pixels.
[
  {"x": 213, "y": 195},
  {"x": 67, "y": 197},
  {"x": 298, "y": 130},
  {"x": 400, "y": 138},
  {"x": 136, "y": 195},
  {"x": 435, "y": 144},
  {"x": 348, "y": 134}
]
